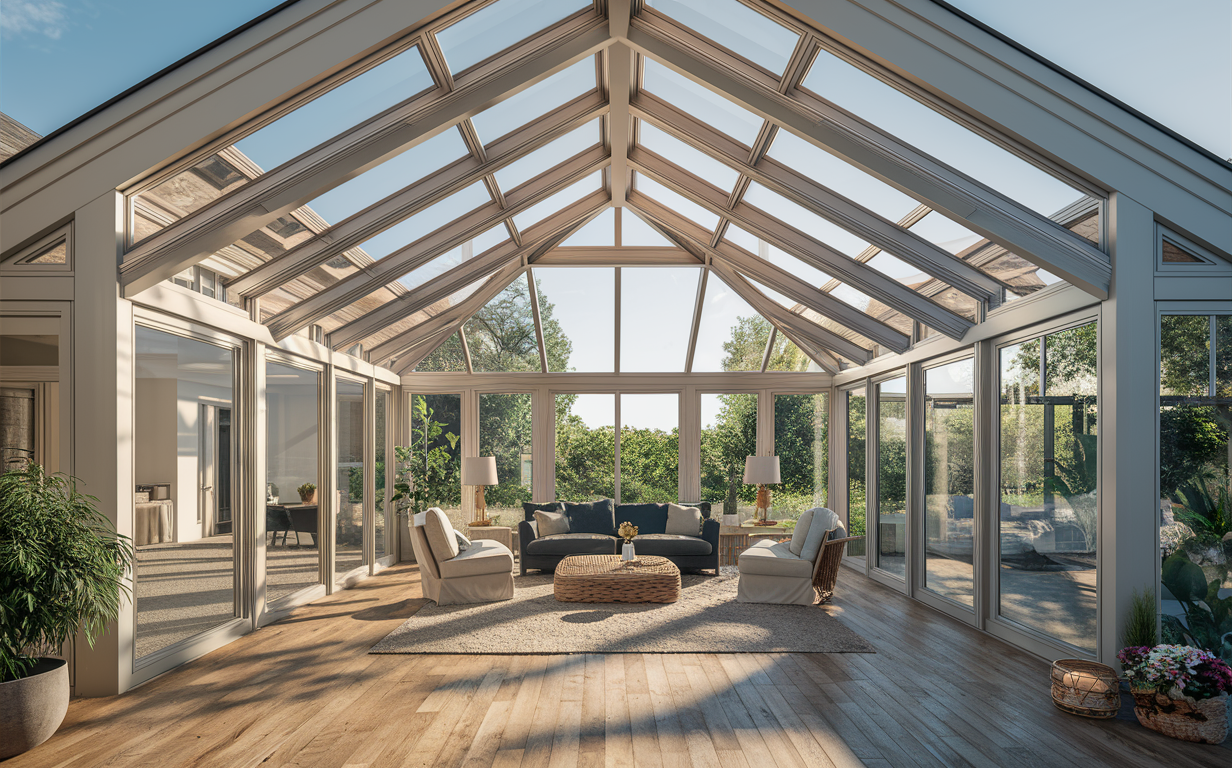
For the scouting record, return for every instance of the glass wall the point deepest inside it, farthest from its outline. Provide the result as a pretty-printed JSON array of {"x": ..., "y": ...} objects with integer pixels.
[
  {"x": 1047, "y": 515},
  {"x": 949, "y": 480},
  {"x": 383, "y": 546},
  {"x": 349, "y": 477},
  {"x": 649, "y": 449},
  {"x": 729, "y": 434},
  {"x": 1195, "y": 459},
  {"x": 891, "y": 506},
  {"x": 585, "y": 447},
  {"x": 183, "y": 455},
  {"x": 857, "y": 463},
  {"x": 505, "y": 429},
  {"x": 435, "y": 453},
  {"x": 292, "y": 512},
  {"x": 801, "y": 441}
]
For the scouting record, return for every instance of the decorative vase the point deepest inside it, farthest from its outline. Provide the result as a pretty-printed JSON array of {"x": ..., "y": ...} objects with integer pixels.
[
  {"x": 32, "y": 707},
  {"x": 1204, "y": 722},
  {"x": 731, "y": 520},
  {"x": 310, "y": 498},
  {"x": 627, "y": 552}
]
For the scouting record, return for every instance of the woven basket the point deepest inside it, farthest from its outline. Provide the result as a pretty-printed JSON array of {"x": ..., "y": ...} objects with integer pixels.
[
  {"x": 1085, "y": 688},
  {"x": 1204, "y": 722}
]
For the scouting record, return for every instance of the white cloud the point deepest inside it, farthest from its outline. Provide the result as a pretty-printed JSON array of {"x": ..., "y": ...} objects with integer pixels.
[{"x": 33, "y": 17}]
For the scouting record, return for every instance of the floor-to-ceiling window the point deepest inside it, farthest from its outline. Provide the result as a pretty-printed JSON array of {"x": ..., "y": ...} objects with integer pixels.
[
  {"x": 349, "y": 477},
  {"x": 505, "y": 429},
  {"x": 435, "y": 453},
  {"x": 292, "y": 509},
  {"x": 382, "y": 468},
  {"x": 185, "y": 512},
  {"x": 585, "y": 447},
  {"x": 649, "y": 448},
  {"x": 890, "y": 507},
  {"x": 801, "y": 441},
  {"x": 1047, "y": 516},
  {"x": 729, "y": 434},
  {"x": 856, "y": 407},
  {"x": 949, "y": 480}
]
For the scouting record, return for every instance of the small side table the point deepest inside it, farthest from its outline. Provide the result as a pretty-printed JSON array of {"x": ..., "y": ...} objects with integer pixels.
[
  {"x": 501, "y": 533},
  {"x": 732, "y": 541}
]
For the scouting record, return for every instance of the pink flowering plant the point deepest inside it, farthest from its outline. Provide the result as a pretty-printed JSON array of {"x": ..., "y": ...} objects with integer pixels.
[{"x": 1176, "y": 671}]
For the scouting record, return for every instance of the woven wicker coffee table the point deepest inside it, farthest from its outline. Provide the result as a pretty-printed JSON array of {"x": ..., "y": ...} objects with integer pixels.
[{"x": 608, "y": 579}]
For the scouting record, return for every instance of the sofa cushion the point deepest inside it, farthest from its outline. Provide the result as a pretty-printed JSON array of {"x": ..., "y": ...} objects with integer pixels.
[
  {"x": 649, "y": 518},
  {"x": 572, "y": 544},
  {"x": 774, "y": 558},
  {"x": 440, "y": 535},
  {"x": 823, "y": 522},
  {"x": 463, "y": 542},
  {"x": 549, "y": 523},
  {"x": 529, "y": 509},
  {"x": 671, "y": 545},
  {"x": 484, "y": 556},
  {"x": 592, "y": 517},
  {"x": 801, "y": 532},
  {"x": 686, "y": 521},
  {"x": 704, "y": 506}
]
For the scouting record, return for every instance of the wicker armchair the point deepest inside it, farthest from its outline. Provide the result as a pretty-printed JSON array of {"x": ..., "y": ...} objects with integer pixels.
[{"x": 825, "y": 571}]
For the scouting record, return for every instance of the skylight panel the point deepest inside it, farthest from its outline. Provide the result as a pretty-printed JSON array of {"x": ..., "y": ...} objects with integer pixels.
[
  {"x": 946, "y": 233},
  {"x": 702, "y": 103},
  {"x": 549, "y": 155},
  {"x": 351, "y": 103},
  {"x": 723, "y": 311},
  {"x": 929, "y": 131},
  {"x": 447, "y": 358},
  {"x": 676, "y": 202},
  {"x": 536, "y": 101},
  {"x": 501, "y": 336},
  {"x": 840, "y": 176},
  {"x": 743, "y": 238},
  {"x": 897, "y": 269},
  {"x": 498, "y": 26},
  {"x": 460, "y": 255},
  {"x": 635, "y": 232},
  {"x": 692, "y": 160},
  {"x": 427, "y": 221},
  {"x": 658, "y": 340},
  {"x": 736, "y": 27},
  {"x": 599, "y": 231},
  {"x": 387, "y": 178},
  {"x": 578, "y": 303},
  {"x": 811, "y": 224},
  {"x": 790, "y": 264},
  {"x": 849, "y": 295},
  {"x": 559, "y": 201}
]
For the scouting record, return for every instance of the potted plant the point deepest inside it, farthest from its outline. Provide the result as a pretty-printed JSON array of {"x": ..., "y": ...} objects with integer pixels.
[
  {"x": 1179, "y": 691},
  {"x": 62, "y": 568},
  {"x": 307, "y": 493}
]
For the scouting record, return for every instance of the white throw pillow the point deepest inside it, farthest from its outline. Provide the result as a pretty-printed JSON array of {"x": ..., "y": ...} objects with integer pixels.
[
  {"x": 823, "y": 521},
  {"x": 551, "y": 523},
  {"x": 441, "y": 540},
  {"x": 463, "y": 542},
  {"x": 683, "y": 521},
  {"x": 801, "y": 533}
]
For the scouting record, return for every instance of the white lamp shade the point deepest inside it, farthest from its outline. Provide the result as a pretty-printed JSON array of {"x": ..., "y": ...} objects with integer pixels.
[
  {"x": 761, "y": 470},
  {"x": 479, "y": 470}
]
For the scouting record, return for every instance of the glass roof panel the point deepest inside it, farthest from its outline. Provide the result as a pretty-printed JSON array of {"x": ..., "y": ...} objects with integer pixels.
[
  {"x": 801, "y": 269},
  {"x": 428, "y": 220},
  {"x": 577, "y": 308},
  {"x": 447, "y": 261},
  {"x": 725, "y": 318},
  {"x": 549, "y": 155},
  {"x": 673, "y": 201},
  {"x": 356, "y": 309},
  {"x": 702, "y": 103},
  {"x": 387, "y": 178},
  {"x": 840, "y": 176},
  {"x": 448, "y": 357},
  {"x": 743, "y": 238},
  {"x": 786, "y": 356},
  {"x": 692, "y": 160},
  {"x": 634, "y": 231},
  {"x": 498, "y": 26},
  {"x": 925, "y": 129},
  {"x": 946, "y": 233},
  {"x": 599, "y": 231},
  {"x": 571, "y": 194},
  {"x": 657, "y": 340},
  {"x": 501, "y": 336},
  {"x": 536, "y": 101},
  {"x": 351, "y": 103},
  {"x": 811, "y": 224},
  {"x": 736, "y": 27}
]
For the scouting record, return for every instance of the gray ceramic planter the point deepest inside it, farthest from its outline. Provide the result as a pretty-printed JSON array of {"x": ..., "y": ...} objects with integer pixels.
[{"x": 32, "y": 708}]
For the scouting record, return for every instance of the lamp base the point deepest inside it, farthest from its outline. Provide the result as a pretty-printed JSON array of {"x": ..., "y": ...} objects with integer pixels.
[
  {"x": 480, "y": 523},
  {"x": 765, "y": 522},
  {"x": 763, "y": 507}
]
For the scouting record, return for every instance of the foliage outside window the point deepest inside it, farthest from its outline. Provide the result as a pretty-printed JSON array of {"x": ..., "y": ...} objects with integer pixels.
[
  {"x": 349, "y": 522},
  {"x": 801, "y": 435},
  {"x": 949, "y": 480},
  {"x": 857, "y": 462},
  {"x": 649, "y": 449},
  {"x": 891, "y": 509},
  {"x": 729, "y": 434},
  {"x": 381, "y": 460},
  {"x": 430, "y": 468},
  {"x": 585, "y": 447},
  {"x": 505, "y": 430}
]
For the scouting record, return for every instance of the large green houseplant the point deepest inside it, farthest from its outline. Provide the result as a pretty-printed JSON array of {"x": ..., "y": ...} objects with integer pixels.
[{"x": 62, "y": 568}]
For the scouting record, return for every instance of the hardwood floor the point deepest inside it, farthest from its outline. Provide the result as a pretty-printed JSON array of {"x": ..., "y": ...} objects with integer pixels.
[{"x": 305, "y": 692}]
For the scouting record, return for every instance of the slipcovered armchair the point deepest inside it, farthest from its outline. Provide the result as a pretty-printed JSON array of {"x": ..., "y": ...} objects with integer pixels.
[
  {"x": 481, "y": 573},
  {"x": 797, "y": 572}
]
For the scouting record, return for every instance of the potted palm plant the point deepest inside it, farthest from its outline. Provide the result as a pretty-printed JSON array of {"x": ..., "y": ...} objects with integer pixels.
[{"x": 62, "y": 568}]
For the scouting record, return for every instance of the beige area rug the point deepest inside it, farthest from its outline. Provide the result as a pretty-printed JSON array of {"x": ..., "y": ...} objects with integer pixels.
[{"x": 706, "y": 619}]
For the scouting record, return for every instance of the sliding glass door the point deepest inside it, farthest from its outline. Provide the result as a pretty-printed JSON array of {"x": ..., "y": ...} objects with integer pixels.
[
  {"x": 949, "y": 481},
  {"x": 890, "y": 506},
  {"x": 349, "y": 478}
]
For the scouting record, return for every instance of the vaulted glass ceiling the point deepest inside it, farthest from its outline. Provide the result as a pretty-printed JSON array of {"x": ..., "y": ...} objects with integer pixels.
[{"x": 487, "y": 241}]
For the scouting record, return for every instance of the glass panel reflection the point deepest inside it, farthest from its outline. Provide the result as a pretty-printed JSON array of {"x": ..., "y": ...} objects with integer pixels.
[
  {"x": 577, "y": 308},
  {"x": 349, "y": 478},
  {"x": 292, "y": 509},
  {"x": 949, "y": 480},
  {"x": 656, "y": 340},
  {"x": 891, "y": 509}
]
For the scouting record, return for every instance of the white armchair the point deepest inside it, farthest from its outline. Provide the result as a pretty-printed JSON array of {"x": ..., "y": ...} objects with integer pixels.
[
  {"x": 792, "y": 572},
  {"x": 483, "y": 573}
]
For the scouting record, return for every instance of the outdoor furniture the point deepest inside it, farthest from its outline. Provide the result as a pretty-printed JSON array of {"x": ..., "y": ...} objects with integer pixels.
[
  {"x": 791, "y": 572},
  {"x": 733, "y": 540},
  {"x": 277, "y": 521},
  {"x": 483, "y": 573},
  {"x": 303, "y": 520},
  {"x": 608, "y": 579}
]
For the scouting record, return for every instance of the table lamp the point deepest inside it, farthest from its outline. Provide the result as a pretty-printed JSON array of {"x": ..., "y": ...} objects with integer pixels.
[
  {"x": 762, "y": 471},
  {"x": 479, "y": 471}
]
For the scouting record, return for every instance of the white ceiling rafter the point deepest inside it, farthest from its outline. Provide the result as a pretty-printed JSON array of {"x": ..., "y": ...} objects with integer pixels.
[{"x": 619, "y": 85}]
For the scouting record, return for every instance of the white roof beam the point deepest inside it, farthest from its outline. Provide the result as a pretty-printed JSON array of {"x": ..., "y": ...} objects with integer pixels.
[
  {"x": 616, "y": 257},
  {"x": 298, "y": 181},
  {"x": 994, "y": 216},
  {"x": 619, "y": 86}
]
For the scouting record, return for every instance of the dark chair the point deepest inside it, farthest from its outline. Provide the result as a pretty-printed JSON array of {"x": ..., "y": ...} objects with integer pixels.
[
  {"x": 304, "y": 520},
  {"x": 276, "y": 519}
]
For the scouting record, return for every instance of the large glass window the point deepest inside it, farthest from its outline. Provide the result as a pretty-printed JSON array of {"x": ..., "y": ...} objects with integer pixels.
[
  {"x": 1049, "y": 464},
  {"x": 891, "y": 508},
  {"x": 581, "y": 334},
  {"x": 381, "y": 466},
  {"x": 349, "y": 477},
  {"x": 505, "y": 429},
  {"x": 435, "y": 453},
  {"x": 292, "y": 510},
  {"x": 801, "y": 435},
  {"x": 649, "y": 448},
  {"x": 949, "y": 480},
  {"x": 656, "y": 317},
  {"x": 857, "y": 465},
  {"x": 183, "y": 463},
  {"x": 1195, "y": 472},
  {"x": 585, "y": 447},
  {"x": 729, "y": 434}
]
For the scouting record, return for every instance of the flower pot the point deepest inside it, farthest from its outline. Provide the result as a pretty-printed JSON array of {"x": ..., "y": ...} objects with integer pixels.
[
  {"x": 1205, "y": 722},
  {"x": 32, "y": 707},
  {"x": 627, "y": 551},
  {"x": 310, "y": 498}
]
